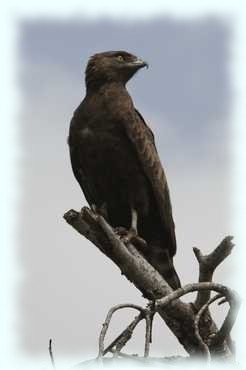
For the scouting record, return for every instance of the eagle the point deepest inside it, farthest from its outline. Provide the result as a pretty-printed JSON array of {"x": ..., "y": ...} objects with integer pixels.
[{"x": 115, "y": 160}]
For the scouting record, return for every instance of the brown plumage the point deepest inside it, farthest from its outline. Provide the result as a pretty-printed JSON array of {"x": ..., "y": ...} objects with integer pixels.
[{"x": 115, "y": 161}]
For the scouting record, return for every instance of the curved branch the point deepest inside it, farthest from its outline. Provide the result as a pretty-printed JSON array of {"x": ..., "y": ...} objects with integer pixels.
[
  {"x": 126, "y": 333},
  {"x": 227, "y": 292},
  {"x": 234, "y": 302},
  {"x": 197, "y": 320},
  {"x": 217, "y": 339},
  {"x": 125, "y": 336},
  {"x": 230, "y": 295},
  {"x": 107, "y": 322}
]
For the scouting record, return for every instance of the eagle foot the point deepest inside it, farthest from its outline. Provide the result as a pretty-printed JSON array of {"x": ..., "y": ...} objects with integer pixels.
[
  {"x": 102, "y": 210},
  {"x": 131, "y": 236}
]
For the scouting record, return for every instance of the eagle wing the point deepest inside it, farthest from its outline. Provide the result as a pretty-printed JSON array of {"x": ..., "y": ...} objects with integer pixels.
[
  {"x": 143, "y": 141},
  {"x": 76, "y": 156},
  {"x": 80, "y": 175}
]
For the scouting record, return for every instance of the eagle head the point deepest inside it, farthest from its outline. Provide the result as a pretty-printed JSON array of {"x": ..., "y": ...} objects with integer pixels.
[{"x": 118, "y": 66}]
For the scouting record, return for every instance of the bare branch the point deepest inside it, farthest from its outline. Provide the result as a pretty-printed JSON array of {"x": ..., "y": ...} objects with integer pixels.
[
  {"x": 230, "y": 295},
  {"x": 208, "y": 264},
  {"x": 125, "y": 355},
  {"x": 222, "y": 289},
  {"x": 148, "y": 319},
  {"x": 197, "y": 321},
  {"x": 51, "y": 353},
  {"x": 107, "y": 322},
  {"x": 179, "y": 316},
  {"x": 126, "y": 334},
  {"x": 234, "y": 302}
]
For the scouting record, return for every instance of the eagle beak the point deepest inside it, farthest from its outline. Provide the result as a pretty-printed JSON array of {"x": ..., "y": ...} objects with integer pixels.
[{"x": 138, "y": 63}]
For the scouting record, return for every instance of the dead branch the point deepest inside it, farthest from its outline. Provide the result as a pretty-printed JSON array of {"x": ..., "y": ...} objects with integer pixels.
[
  {"x": 147, "y": 334},
  {"x": 137, "y": 270},
  {"x": 126, "y": 334},
  {"x": 125, "y": 355},
  {"x": 208, "y": 264},
  {"x": 51, "y": 353},
  {"x": 231, "y": 297},
  {"x": 122, "y": 341},
  {"x": 222, "y": 289},
  {"x": 179, "y": 316},
  {"x": 224, "y": 332},
  {"x": 197, "y": 321}
]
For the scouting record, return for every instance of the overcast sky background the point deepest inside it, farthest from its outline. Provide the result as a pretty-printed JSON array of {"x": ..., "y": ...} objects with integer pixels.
[{"x": 185, "y": 97}]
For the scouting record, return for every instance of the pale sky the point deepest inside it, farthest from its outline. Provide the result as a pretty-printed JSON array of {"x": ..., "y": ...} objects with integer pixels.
[{"x": 185, "y": 96}]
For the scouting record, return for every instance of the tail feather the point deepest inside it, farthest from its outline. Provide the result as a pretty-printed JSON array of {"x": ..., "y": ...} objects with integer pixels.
[
  {"x": 163, "y": 263},
  {"x": 169, "y": 273}
]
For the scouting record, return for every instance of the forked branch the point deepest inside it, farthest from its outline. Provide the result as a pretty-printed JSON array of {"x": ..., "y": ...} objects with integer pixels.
[
  {"x": 208, "y": 264},
  {"x": 179, "y": 316},
  {"x": 117, "y": 345}
]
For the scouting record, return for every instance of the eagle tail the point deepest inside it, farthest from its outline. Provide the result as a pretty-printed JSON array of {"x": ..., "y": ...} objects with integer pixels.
[
  {"x": 163, "y": 263},
  {"x": 170, "y": 275}
]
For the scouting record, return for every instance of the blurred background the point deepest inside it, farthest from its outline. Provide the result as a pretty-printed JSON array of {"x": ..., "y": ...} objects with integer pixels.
[{"x": 185, "y": 97}]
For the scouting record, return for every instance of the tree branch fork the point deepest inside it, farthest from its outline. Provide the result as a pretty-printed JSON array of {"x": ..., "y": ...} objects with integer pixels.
[{"x": 191, "y": 322}]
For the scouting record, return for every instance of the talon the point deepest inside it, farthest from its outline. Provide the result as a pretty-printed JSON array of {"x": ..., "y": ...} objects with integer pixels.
[
  {"x": 120, "y": 231},
  {"x": 125, "y": 235},
  {"x": 131, "y": 235},
  {"x": 102, "y": 210},
  {"x": 140, "y": 244}
]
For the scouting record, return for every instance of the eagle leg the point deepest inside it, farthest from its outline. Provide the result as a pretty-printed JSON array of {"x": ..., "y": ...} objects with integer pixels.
[
  {"x": 131, "y": 235},
  {"x": 134, "y": 221}
]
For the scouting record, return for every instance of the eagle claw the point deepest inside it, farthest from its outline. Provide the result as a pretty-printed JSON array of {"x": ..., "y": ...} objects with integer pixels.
[{"x": 131, "y": 236}]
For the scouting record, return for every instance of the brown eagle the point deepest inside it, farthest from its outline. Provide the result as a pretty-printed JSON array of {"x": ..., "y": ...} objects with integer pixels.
[{"x": 115, "y": 160}]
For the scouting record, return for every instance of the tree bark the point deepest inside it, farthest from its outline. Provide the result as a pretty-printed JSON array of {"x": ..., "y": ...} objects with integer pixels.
[{"x": 179, "y": 316}]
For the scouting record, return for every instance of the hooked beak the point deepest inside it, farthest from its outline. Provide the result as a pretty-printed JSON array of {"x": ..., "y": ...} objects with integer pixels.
[{"x": 138, "y": 63}]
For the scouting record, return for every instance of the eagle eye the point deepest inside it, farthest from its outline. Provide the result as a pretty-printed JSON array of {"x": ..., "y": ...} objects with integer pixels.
[{"x": 120, "y": 58}]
